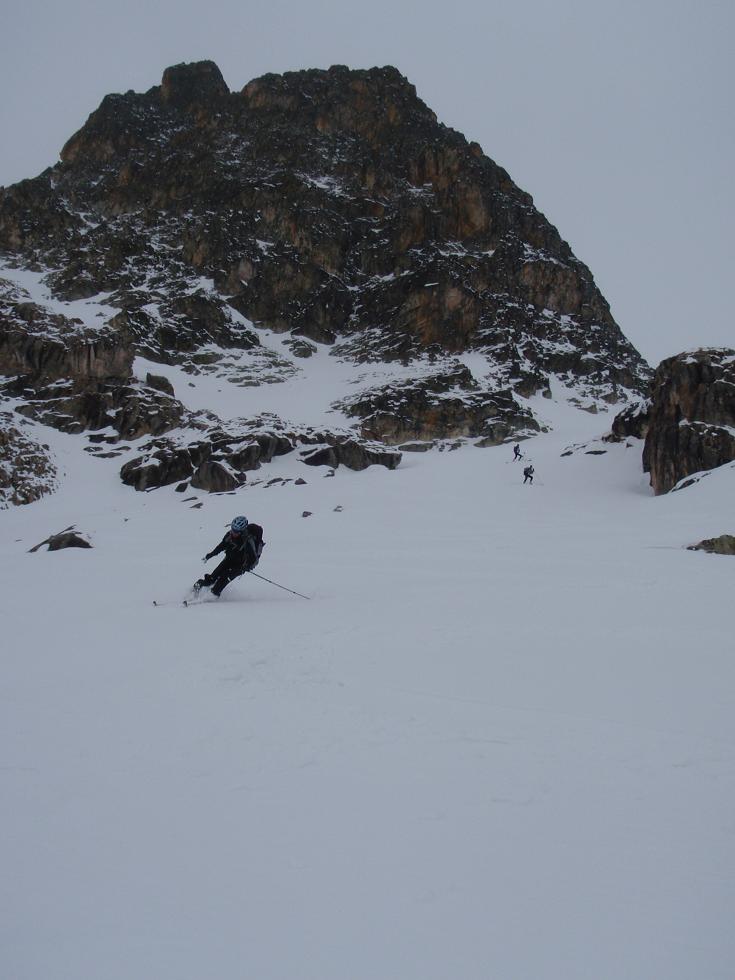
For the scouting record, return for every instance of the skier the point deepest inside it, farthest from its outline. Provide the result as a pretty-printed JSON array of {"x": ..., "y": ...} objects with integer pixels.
[
  {"x": 517, "y": 452},
  {"x": 528, "y": 474},
  {"x": 242, "y": 545}
]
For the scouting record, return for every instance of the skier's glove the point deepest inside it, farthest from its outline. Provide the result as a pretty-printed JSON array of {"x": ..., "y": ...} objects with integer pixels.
[{"x": 206, "y": 558}]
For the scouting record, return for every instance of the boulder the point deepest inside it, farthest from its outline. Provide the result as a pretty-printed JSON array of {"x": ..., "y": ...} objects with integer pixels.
[
  {"x": 691, "y": 423},
  {"x": 160, "y": 383},
  {"x": 272, "y": 444},
  {"x": 68, "y": 538},
  {"x": 300, "y": 347},
  {"x": 633, "y": 422},
  {"x": 215, "y": 477},
  {"x": 722, "y": 545},
  {"x": 165, "y": 465}
]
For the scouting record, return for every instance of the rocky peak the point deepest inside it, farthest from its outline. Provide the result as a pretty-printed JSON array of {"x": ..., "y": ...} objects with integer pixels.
[
  {"x": 200, "y": 83},
  {"x": 370, "y": 103},
  {"x": 327, "y": 205}
]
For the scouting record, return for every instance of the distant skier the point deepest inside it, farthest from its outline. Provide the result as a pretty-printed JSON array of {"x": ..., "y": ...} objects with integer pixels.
[
  {"x": 528, "y": 474},
  {"x": 242, "y": 545},
  {"x": 517, "y": 454}
]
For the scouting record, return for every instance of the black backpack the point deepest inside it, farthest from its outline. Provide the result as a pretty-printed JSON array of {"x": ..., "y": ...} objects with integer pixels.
[{"x": 255, "y": 542}]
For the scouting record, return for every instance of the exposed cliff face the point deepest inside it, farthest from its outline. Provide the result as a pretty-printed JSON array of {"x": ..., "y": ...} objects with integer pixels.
[
  {"x": 48, "y": 346},
  {"x": 75, "y": 377},
  {"x": 691, "y": 424}
]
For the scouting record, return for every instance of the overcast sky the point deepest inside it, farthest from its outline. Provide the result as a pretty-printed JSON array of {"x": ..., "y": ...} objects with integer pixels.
[{"x": 617, "y": 116}]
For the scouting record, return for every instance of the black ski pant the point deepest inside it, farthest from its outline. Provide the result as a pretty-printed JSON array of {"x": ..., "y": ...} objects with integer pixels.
[{"x": 222, "y": 575}]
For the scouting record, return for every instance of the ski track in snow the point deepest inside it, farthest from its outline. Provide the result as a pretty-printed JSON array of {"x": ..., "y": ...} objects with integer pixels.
[{"x": 498, "y": 742}]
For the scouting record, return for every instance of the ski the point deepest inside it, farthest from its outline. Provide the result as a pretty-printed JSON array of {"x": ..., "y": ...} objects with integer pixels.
[{"x": 192, "y": 600}]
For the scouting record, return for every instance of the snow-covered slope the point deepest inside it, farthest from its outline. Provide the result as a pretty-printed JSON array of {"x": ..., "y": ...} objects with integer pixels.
[{"x": 497, "y": 741}]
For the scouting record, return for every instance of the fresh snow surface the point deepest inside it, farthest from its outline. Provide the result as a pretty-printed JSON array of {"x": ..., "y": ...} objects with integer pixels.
[
  {"x": 497, "y": 742},
  {"x": 305, "y": 390},
  {"x": 91, "y": 312}
]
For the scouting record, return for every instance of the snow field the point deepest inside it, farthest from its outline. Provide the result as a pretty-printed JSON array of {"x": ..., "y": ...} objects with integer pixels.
[{"x": 497, "y": 742}]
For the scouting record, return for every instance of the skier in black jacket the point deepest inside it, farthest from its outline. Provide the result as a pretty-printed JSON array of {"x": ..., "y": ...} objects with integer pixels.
[{"x": 242, "y": 545}]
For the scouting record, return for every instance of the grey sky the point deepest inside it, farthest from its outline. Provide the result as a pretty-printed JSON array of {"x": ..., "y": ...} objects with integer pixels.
[{"x": 616, "y": 116}]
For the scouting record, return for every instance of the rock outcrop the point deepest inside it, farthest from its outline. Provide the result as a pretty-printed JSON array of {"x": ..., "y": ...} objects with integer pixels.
[
  {"x": 68, "y": 538},
  {"x": 218, "y": 461},
  {"x": 45, "y": 346},
  {"x": 127, "y": 408},
  {"x": 352, "y": 454},
  {"x": 632, "y": 421},
  {"x": 215, "y": 464},
  {"x": 27, "y": 469},
  {"x": 724, "y": 544},
  {"x": 74, "y": 377},
  {"x": 445, "y": 404},
  {"x": 691, "y": 424}
]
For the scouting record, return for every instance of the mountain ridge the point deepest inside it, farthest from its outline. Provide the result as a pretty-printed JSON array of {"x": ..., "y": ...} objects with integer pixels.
[
  {"x": 389, "y": 171},
  {"x": 324, "y": 209}
]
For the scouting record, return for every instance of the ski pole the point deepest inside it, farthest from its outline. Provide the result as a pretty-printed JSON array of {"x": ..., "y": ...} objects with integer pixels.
[{"x": 279, "y": 586}]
